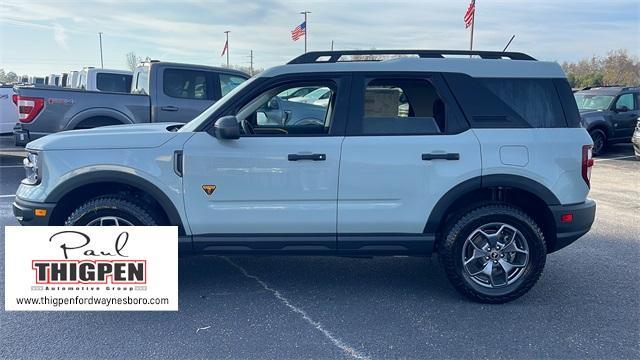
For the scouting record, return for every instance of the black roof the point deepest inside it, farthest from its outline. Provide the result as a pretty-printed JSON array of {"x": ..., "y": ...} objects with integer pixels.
[{"x": 334, "y": 56}]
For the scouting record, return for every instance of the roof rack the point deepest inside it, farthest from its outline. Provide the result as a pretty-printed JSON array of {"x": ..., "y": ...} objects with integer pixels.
[{"x": 334, "y": 56}]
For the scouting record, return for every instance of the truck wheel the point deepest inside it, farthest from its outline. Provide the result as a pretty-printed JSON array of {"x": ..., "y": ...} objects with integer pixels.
[
  {"x": 493, "y": 254},
  {"x": 112, "y": 211},
  {"x": 599, "y": 141}
]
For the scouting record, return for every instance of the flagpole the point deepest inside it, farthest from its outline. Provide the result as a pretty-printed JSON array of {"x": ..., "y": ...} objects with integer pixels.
[
  {"x": 306, "y": 28},
  {"x": 227, "y": 43},
  {"x": 473, "y": 21}
]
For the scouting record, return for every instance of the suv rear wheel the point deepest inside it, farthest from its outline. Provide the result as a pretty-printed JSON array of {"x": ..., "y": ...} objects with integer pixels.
[
  {"x": 599, "y": 141},
  {"x": 112, "y": 211},
  {"x": 494, "y": 253}
]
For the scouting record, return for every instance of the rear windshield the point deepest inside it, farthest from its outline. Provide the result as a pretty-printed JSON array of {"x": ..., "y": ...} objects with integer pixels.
[{"x": 113, "y": 82}]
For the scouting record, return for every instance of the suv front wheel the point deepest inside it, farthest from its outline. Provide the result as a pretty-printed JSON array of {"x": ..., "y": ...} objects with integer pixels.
[
  {"x": 494, "y": 253},
  {"x": 112, "y": 211}
]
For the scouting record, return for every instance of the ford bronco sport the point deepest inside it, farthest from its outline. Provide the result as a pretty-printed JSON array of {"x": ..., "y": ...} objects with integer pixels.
[{"x": 481, "y": 160}]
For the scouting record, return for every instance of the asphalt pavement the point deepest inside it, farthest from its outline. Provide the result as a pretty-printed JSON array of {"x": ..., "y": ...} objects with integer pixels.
[{"x": 585, "y": 306}]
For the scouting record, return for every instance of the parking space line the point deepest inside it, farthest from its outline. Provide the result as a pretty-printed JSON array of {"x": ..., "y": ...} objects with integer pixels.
[
  {"x": 11, "y": 166},
  {"x": 616, "y": 158},
  {"x": 337, "y": 342},
  {"x": 7, "y": 196}
]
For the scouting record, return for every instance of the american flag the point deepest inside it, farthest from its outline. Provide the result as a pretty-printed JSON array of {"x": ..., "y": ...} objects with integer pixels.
[
  {"x": 468, "y": 17},
  {"x": 299, "y": 31}
]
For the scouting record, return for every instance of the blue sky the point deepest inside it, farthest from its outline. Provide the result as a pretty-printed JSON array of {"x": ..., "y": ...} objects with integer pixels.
[{"x": 52, "y": 36}]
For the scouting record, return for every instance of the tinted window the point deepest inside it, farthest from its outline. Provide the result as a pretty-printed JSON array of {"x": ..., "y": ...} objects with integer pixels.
[
  {"x": 535, "y": 100},
  {"x": 625, "y": 101},
  {"x": 187, "y": 84},
  {"x": 229, "y": 82},
  {"x": 113, "y": 82},
  {"x": 270, "y": 114},
  {"x": 402, "y": 107}
]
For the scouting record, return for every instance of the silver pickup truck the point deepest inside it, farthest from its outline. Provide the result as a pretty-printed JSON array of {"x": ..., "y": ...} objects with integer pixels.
[{"x": 160, "y": 92}]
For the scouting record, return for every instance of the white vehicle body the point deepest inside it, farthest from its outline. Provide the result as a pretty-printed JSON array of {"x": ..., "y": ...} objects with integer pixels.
[
  {"x": 54, "y": 80},
  {"x": 8, "y": 110},
  {"x": 354, "y": 188},
  {"x": 89, "y": 78},
  {"x": 73, "y": 79},
  {"x": 316, "y": 97}
]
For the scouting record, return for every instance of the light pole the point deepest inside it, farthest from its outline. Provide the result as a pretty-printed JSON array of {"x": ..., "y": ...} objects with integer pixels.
[
  {"x": 227, "y": 43},
  {"x": 101, "y": 61},
  {"x": 306, "y": 28}
]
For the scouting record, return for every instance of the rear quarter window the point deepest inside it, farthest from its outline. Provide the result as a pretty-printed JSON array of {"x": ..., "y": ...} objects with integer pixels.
[
  {"x": 535, "y": 100},
  {"x": 113, "y": 82}
]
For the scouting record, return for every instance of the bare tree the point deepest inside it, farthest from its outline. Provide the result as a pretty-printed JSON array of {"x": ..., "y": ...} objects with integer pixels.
[{"x": 132, "y": 60}]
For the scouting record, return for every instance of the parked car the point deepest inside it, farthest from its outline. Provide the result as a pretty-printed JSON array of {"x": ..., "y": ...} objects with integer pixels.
[
  {"x": 8, "y": 109},
  {"x": 36, "y": 80},
  {"x": 318, "y": 96},
  {"x": 73, "y": 79},
  {"x": 107, "y": 80},
  {"x": 490, "y": 178},
  {"x": 609, "y": 114},
  {"x": 53, "y": 80},
  {"x": 161, "y": 92},
  {"x": 636, "y": 140},
  {"x": 296, "y": 92}
]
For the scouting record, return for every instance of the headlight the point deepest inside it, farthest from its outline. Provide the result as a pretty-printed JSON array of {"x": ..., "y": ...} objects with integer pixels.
[{"x": 31, "y": 169}]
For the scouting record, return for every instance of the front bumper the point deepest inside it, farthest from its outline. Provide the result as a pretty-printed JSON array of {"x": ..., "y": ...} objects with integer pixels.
[
  {"x": 567, "y": 232},
  {"x": 25, "y": 212}
]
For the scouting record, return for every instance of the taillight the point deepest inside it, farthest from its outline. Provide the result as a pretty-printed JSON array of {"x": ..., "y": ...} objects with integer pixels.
[
  {"x": 14, "y": 97},
  {"x": 28, "y": 108},
  {"x": 587, "y": 163}
]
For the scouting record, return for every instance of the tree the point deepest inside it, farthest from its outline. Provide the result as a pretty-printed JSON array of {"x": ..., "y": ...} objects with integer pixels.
[
  {"x": 132, "y": 60},
  {"x": 617, "y": 68}
]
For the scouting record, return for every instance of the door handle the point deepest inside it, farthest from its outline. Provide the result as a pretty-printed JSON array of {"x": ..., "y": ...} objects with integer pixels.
[
  {"x": 314, "y": 157},
  {"x": 169, "y": 108},
  {"x": 441, "y": 156}
]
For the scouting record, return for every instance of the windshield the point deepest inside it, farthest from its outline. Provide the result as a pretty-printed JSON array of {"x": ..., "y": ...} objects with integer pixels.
[
  {"x": 593, "y": 102},
  {"x": 195, "y": 123}
]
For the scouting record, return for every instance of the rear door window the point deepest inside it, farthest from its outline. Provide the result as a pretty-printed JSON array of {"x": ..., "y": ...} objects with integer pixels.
[
  {"x": 113, "y": 82},
  {"x": 187, "y": 84},
  {"x": 402, "y": 106}
]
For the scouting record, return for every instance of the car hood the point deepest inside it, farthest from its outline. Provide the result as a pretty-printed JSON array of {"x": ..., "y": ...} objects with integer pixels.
[{"x": 136, "y": 136}]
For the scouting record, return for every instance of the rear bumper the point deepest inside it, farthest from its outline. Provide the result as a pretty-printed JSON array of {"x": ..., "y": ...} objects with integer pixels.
[
  {"x": 567, "y": 232},
  {"x": 25, "y": 212}
]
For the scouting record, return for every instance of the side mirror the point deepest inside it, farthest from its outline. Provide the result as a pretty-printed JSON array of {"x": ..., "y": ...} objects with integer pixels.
[
  {"x": 226, "y": 128},
  {"x": 624, "y": 108}
]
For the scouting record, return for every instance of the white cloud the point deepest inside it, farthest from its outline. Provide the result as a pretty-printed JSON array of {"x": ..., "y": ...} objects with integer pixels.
[{"x": 60, "y": 36}]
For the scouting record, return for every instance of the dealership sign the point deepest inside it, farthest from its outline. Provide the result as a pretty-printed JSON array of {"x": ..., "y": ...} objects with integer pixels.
[{"x": 91, "y": 268}]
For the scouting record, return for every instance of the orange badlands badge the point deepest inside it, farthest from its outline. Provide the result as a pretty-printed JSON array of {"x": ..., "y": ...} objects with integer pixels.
[{"x": 209, "y": 189}]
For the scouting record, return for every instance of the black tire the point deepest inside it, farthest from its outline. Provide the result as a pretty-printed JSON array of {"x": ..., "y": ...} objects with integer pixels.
[
  {"x": 451, "y": 252},
  {"x": 134, "y": 212},
  {"x": 599, "y": 141}
]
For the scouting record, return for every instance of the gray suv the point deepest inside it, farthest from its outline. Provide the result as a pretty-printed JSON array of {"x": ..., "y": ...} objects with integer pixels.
[{"x": 609, "y": 114}]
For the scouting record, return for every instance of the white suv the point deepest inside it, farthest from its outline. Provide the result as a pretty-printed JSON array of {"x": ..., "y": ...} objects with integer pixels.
[{"x": 481, "y": 160}]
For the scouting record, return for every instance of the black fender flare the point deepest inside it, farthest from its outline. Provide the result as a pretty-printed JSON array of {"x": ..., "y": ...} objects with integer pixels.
[
  {"x": 439, "y": 211},
  {"x": 119, "y": 177}
]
